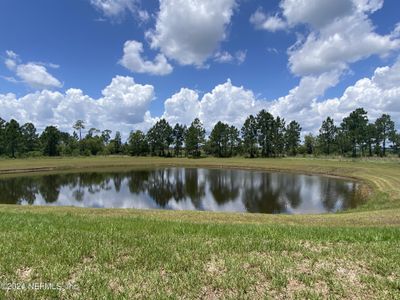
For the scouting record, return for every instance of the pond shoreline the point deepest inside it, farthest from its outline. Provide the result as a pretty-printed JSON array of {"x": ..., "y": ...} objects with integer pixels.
[
  {"x": 185, "y": 188},
  {"x": 360, "y": 171}
]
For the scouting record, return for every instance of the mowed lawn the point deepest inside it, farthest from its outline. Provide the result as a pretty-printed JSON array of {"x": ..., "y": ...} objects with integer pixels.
[{"x": 127, "y": 254}]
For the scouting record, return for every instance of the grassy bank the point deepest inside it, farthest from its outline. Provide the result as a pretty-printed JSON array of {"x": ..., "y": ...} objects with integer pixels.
[{"x": 100, "y": 253}]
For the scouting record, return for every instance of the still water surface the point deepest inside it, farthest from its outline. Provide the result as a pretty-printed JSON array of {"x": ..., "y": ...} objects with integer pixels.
[{"x": 185, "y": 189}]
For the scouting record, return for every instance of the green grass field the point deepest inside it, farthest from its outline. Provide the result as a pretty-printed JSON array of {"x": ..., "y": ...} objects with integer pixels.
[{"x": 127, "y": 254}]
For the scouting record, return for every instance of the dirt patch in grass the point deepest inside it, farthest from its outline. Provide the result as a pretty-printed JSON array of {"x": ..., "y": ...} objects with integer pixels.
[
  {"x": 215, "y": 267},
  {"x": 24, "y": 273},
  {"x": 307, "y": 277},
  {"x": 86, "y": 264},
  {"x": 115, "y": 286},
  {"x": 211, "y": 293},
  {"x": 294, "y": 286},
  {"x": 349, "y": 275},
  {"x": 316, "y": 247}
]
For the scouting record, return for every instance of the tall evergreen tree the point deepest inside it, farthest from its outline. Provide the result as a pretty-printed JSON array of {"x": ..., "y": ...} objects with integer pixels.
[
  {"x": 327, "y": 135},
  {"x": 137, "y": 143},
  {"x": 265, "y": 124},
  {"x": 219, "y": 140},
  {"x": 195, "y": 138},
  {"x": 30, "y": 138},
  {"x": 249, "y": 136},
  {"x": 233, "y": 140},
  {"x": 12, "y": 135},
  {"x": 50, "y": 140},
  {"x": 309, "y": 143},
  {"x": 278, "y": 137},
  {"x": 342, "y": 141},
  {"x": 160, "y": 137},
  {"x": 292, "y": 137},
  {"x": 384, "y": 129},
  {"x": 79, "y": 125},
  {"x": 178, "y": 133},
  {"x": 355, "y": 127},
  {"x": 116, "y": 143}
]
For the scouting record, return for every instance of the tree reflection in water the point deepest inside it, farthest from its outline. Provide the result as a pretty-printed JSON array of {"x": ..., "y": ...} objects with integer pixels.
[
  {"x": 224, "y": 185},
  {"x": 261, "y": 195},
  {"x": 216, "y": 189}
]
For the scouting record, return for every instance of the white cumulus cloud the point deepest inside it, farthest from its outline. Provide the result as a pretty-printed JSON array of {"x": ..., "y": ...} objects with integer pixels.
[
  {"x": 117, "y": 8},
  {"x": 124, "y": 104},
  {"x": 133, "y": 60},
  {"x": 378, "y": 94},
  {"x": 225, "y": 57},
  {"x": 189, "y": 32},
  {"x": 271, "y": 23},
  {"x": 341, "y": 33},
  {"x": 226, "y": 102},
  {"x": 317, "y": 13},
  {"x": 344, "y": 41},
  {"x": 33, "y": 74},
  {"x": 183, "y": 107}
]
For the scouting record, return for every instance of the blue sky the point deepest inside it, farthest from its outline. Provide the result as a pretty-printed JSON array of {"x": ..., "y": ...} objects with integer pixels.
[{"x": 300, "y": 59}]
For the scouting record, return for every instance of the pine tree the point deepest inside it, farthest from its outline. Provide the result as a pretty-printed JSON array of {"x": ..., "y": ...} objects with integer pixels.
[
  {"x": 327, "y": 135},
  {"x": 249, "y": 136},
  {"x": 195, "y": 138},
  {"x": 384, "y": 129},
  {"x": 292, "y": 137}
]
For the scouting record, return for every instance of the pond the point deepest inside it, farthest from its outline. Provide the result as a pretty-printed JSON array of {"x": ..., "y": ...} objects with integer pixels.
[{"x": 185, "y": 189}]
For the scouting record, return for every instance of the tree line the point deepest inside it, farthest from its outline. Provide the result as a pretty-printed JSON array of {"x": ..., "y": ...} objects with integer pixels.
[{"x": 261, "y": 135}]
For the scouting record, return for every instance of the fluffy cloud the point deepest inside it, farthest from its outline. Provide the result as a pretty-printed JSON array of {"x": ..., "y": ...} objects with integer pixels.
[
  {"x": 225, "y": 57},
  {"x": 317, "y": 13},
  {"x": 378, "y": 94},
  {"x": 368, "y": 5},
  {"x": 189, "y": 32},
  {"x": 133, "y": 61},
  {"x": 226, "y": 103},
  {"x": 33, "y": 74},
  {"x": 297, "y": 104},
  {"x": 123, "y": 105},
  {"x": 336, "y": 45},
  {"x": 271, "y": 23},
  {"x": 341, "y": 33},
  {"x": 345, "y": 37},
  {"x": 116, "y": 8},
  {"x": 183, "y": 107},
  {"x": 37, "y": 76}
]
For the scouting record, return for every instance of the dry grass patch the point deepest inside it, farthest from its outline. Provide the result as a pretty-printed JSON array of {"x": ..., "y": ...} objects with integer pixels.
[{"x": 24, "y": 273}]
